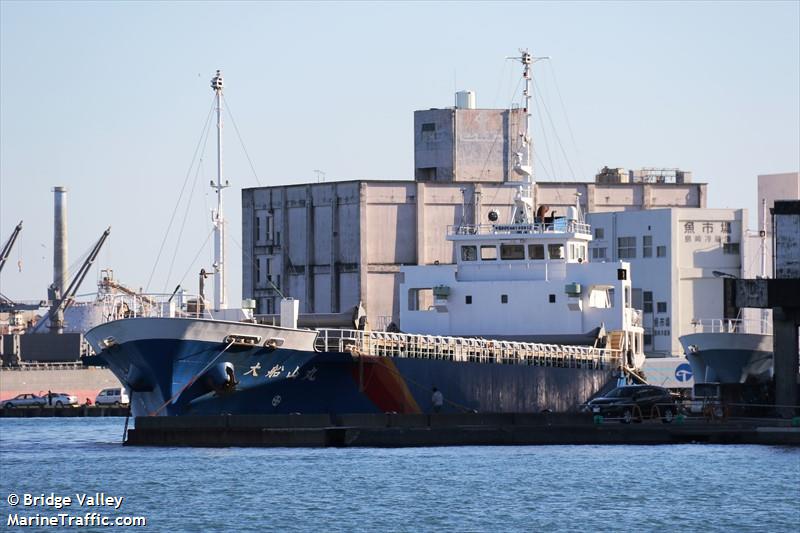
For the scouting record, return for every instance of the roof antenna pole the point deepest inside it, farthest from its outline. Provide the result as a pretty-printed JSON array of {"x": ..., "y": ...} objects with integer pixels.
[
  {"x": 523, "y": 157},
  {"x": 220, "y": 287}
]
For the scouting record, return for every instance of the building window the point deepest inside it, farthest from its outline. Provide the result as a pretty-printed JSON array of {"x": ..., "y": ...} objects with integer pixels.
[
  {"x": 504, "y": 298},
  {"x": 270, "y": 306},
  {"x": 661, "y": 307},
  {"x": 552, "y": 298},
  {"x": 626, "y": 247},
  {"x": 730, "y": 248},
  {"x": 556, "y": 251},
  {"x": 512, "y": 251},
  {"x": 258, "y": 228},
  {"x": 469, "y": 253},
  {"x": 428, "y": 135},
  {"x": 661, "y": 251},
  {"x": 258, "y": 271},
  {"x": 268, "y": 228},
  {"x": 599, "y": 233},
  {"x": 536, "y": 251},
  {"x": 426, "y": 174},
  {"x": 598, "y": 253},
  {"x": 468, "y": 299},
  {"x": 488, "y": 253},
  {"x": 648, "y": 339},
  {"x": 647, "y": 301},
  {"x": 647, "y": 246}
]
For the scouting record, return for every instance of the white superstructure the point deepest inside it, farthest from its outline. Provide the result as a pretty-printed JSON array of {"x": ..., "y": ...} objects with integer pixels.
[{"x": 523, "y": 282}]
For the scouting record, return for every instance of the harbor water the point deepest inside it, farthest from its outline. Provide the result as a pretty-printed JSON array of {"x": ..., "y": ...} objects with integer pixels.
[{"x": 693, "y": 487}]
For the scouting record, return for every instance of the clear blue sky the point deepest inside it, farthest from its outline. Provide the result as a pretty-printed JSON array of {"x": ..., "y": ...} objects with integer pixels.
[{"x": 109, "y": 99}]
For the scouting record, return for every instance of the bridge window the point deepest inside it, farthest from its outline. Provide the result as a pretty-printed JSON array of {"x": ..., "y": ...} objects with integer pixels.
[
  {"x": 577, "y": 252},
  {"x": 600, "y": 299},
  {"x": 420, "y": 299},
  {"x": 488, "y": 253},
  {"x": 512, "y": 251},
  {"x": 469, "y": 253},
  {"x": 556, "y": 251},
  {"x": 536, "y": 251}
]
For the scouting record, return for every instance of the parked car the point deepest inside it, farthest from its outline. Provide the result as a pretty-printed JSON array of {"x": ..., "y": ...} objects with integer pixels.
[
  {"x": 61, "y": 399},
  {"x": 115, "y": 397},
  {"x": 635, "y": 402},
  {"x": 24, "y": 400}
]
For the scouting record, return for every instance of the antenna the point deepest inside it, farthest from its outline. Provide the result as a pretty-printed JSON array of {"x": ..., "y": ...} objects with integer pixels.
[{"x": 523, "y": 157}]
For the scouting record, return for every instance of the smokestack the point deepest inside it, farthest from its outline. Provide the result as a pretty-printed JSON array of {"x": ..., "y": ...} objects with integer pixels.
[{"x": 60, "y": 263}]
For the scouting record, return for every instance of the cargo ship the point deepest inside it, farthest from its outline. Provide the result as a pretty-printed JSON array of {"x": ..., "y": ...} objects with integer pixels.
[{"x": 522, "y": 322}]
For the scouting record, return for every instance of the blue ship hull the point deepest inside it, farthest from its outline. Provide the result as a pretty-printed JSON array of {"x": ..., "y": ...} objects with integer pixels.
[{"x": 180, "y": 376}]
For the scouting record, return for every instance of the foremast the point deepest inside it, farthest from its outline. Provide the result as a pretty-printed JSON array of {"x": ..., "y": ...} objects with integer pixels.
[{"x": 217, "y": 218}]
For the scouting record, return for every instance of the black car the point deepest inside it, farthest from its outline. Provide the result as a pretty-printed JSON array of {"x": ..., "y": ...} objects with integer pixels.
[{"x": 635, "y": 402}]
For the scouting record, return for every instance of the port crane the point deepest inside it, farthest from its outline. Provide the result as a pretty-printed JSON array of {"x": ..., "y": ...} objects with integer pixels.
[
  {"x": 9, "y": 245},
  {"x": 7, "y": 305},
  {"x": 60, "y": 302}
]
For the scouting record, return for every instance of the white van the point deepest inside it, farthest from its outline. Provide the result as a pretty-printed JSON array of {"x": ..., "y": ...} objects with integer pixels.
[{"x": 115, "y": 397}]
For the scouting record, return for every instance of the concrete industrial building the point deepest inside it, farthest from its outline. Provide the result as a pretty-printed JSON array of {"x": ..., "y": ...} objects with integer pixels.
[
  {"x": 333, "y": 245},
  {"x": 674, "y": 254}
]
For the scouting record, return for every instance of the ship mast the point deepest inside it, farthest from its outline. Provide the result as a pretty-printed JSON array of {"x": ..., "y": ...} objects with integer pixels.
[
  {"x": 523, "y": 157},
  {"x": 763, "y": 235},
  {"x": 220, "y": 287}
]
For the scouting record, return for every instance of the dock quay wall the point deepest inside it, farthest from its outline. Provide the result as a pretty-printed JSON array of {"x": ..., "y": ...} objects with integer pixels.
[{"x": 395, "y": 430}]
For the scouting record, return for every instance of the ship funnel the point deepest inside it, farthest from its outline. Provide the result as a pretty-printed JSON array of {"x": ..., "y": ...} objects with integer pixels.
[{"x": 60, "y": 263}]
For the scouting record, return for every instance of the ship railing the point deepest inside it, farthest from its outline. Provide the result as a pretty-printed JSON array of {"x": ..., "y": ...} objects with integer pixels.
[
  {"x": 465, "y": 349},
  {"x": 732, "y": 325},
  {"x": 634, "y": 317},
  {"x": 118, "y": 305},
  {"x": 558, "y": 226}
]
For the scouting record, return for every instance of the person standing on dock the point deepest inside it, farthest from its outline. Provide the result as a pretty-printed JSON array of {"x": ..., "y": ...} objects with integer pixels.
[
  {"x": 437, "y": 399},
  {"x": 50, "y": 398}
]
